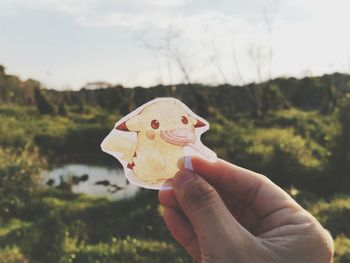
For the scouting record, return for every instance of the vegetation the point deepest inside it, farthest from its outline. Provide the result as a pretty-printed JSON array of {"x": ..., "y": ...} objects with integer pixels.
[{"x": 299, "y": 138}]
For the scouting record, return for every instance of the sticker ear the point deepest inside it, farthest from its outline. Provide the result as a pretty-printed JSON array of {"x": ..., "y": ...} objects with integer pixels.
[
  {"x": 122, "y": 127},
  {"x": 197, "y": 123},
  {"x": 133, "y": 124}
]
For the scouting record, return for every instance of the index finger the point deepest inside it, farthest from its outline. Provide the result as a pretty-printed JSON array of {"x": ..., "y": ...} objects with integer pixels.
[{"x": 253, "y": 189}]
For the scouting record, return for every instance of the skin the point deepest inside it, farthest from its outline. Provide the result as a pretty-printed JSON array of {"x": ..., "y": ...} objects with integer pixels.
[{"x": 223, "y": 213}]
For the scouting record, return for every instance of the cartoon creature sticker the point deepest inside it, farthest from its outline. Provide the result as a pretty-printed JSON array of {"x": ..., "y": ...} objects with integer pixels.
[{"x": 152, "y": 142}]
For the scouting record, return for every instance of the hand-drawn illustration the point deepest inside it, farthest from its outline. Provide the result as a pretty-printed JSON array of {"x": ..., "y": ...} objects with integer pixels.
[{"x": 152, "y": 141}]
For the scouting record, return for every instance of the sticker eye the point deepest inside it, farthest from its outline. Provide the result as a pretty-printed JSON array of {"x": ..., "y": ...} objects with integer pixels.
[
  {"x": 155, "y": 124},
  {"x": 184, "y": 120}
]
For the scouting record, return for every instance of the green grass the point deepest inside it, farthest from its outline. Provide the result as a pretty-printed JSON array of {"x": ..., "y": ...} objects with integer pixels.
[
  {"x": 77, "y": 228},
  {"x": 58, "y": 226},
  {"x": 126, "y": 250},
  {"x": 292, "y": 147}
]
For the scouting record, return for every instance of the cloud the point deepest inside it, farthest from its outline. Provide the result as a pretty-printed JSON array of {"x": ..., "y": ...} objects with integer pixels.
[
  {"x": 17, "y": 7},
  {"x": 115, "y": 13},
  {"x": 90, "y": 8},
  {"x": 306, "y": 33},
  {"x": 138, "y": 15},
  {"x": 162, "y": 3}
]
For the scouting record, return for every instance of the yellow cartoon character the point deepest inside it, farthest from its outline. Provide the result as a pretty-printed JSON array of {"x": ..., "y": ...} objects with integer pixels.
[{"x": 152, "y": 141}]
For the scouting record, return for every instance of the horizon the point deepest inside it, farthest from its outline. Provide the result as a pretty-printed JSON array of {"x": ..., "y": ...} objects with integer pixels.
[
  {"x": 111, "y": 85},
  {"x": 65, "y": 44}
]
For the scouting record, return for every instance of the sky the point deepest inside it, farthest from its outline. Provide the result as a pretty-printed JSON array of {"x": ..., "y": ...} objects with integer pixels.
[{"x": 67, "y": 43}]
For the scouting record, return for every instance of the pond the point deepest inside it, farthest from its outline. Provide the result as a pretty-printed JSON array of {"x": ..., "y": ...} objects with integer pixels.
[{"x": 88, "y": 179}]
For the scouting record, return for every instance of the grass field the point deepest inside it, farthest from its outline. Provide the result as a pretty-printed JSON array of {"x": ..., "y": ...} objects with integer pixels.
[{"x": 293, "y": 147}]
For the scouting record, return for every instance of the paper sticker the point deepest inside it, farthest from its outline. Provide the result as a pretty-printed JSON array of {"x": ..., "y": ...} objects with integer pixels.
[{"x": 152, "y": 142}]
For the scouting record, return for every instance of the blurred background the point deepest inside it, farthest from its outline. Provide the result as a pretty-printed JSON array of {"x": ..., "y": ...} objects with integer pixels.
[{"x": 272, "y": 78}]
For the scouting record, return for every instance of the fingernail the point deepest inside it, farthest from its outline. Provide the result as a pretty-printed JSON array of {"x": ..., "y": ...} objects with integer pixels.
[
  {"x": 182, "y": 178},
  {"x": 161, "y": 210},
  {"x": 181, "y": 163},
  {"x": 188, "y": 163}
]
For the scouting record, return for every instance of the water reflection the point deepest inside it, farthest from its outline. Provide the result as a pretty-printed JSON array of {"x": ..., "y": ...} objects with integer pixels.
[{"x": 90, "y": 179}]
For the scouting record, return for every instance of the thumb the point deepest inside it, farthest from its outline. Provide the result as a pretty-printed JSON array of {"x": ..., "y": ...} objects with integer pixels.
[{"x": 203, "y": 207}]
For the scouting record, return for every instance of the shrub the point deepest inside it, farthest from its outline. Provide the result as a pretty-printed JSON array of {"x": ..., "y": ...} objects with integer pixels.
[
  {"x": 334, "y": 214},
  {"x": 286, "y": 158},
  {"x": 43, "y": 103},
  {"x": 342, "y": 249},
  {"x": 12, "y": 255},
  {"x": 19, "y": 175}
]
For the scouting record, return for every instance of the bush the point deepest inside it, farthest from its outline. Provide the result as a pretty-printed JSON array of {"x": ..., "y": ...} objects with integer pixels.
[
  {"x": 49, "y": 247},
  {"x": 43, "y": 103},
  {"x": 62, "y": 109},
  {"x": 342, "y": 249},
  {"x": 19, "y": 175},
  {"x": 12, "y": 255},
  {"x": 333, "y": 214},
  {"x": 288, "y": 159},
  {"x": 57, "y": 226}
]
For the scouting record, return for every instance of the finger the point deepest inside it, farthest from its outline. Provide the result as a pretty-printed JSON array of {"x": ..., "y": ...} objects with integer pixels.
[
  {"x": 242, "y": 213},
  {"x": 182, "y": 231},
  {"x": 255, "y": 190},
  {"x": 168, "y": 198},
  {"x": 204, "y": 208}
]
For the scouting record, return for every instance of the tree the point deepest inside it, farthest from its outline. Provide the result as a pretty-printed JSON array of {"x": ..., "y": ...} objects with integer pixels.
[
  {"x": 28, "y": 90},
  {"x": 330, "y": 97},
  {"x": 43, "y": 103},
  {"x": 214, "y": 59},
  {"x": 62, "y": 109},
  {"x": 344, "y": 138},
  {"x": 260, "y": 56},
  {"x": 171, "y": 52},
  {"x": 340, "y": 158},
  {"x": 82, "y": 107},
  {"x": 2, "y": 70}
]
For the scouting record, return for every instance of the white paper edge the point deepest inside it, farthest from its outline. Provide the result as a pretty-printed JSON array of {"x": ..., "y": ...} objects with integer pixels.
[{"x": 131, "y": 177}]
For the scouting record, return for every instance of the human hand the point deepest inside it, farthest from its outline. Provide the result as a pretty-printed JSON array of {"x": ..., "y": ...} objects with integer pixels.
[{"x": 230, "y": 214}]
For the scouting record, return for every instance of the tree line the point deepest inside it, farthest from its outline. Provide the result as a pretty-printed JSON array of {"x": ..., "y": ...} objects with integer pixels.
[{"x": 258, "y": 99}]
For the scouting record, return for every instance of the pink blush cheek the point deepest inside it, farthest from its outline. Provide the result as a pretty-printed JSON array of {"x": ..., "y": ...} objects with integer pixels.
[{"x": 150, "y": 134}]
